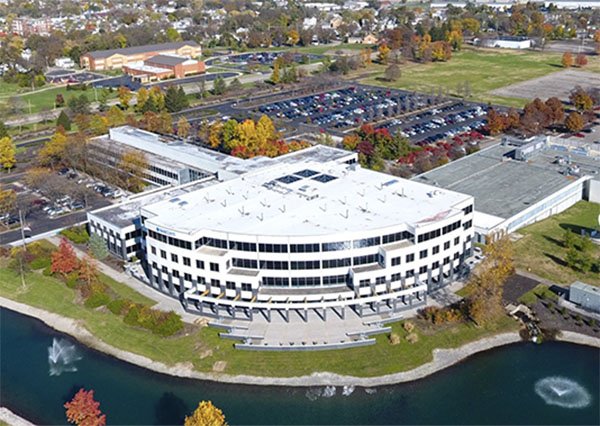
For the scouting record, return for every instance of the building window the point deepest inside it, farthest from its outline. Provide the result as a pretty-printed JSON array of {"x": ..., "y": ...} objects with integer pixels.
[
  {"x": 336, "y": 263},
  {"x": 201, "y": 280},
  {"x": 410, "y": 273},
  {"x": 246, "y": 287},
  {"x": 175, "y": 273},
  {"x": 456, "y": 241},
  {"x": 200, "y": 264},
  {"x": 422, "y": 269},
  {"x": 174, "y": 257},
  {"x": 396, "y": 261},
  {"x": 380, "y": 280},
  {"x": 163, "y": 254},
  {"x": 187, "y": 277},
  {"x": 446, "y": 260},
  {"x": 435, "y": 265},
  {"x": 396, "y": 277},
  {"x": 304, "y": 248},
  {"x": 215, "y": 283},
  {"x": 364, "y": 283},
  {"x": 214, "y": 267},
  {"x": 435, "y": 250},
  {"x": 410, "y": 257},
  {"x": 186, "y": 261},
  {"x": 303, "y": 264},
  {"x": 362, "y": 260},
  {"x": 305, "y": 281},
  {"x": 446, "y": 245},
  {"x": 423, "y": 254},
  {"x": 245, "y": 263},
  {"x": 164, "y": 269},
  {"x": 341, "y": 245},
  {"x": 276, "y": 281},
  {"x": 153, "y": 249},
  {"x": 230, "y": 285},
  {"x": 367, "y": 242}
]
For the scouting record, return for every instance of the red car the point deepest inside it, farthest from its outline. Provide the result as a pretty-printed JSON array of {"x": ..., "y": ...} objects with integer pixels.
[{"x": 579, "y": 135}]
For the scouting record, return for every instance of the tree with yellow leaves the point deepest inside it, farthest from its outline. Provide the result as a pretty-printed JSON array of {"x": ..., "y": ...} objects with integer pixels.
[
  {"x": 53, "y": 151},
  {"x": 214, "y": 134},
  {"x": 183, "y": 127},
  {"x": 384, "y": 51},
  {"x": 246, "y": 134},
  {"x": 293, "y": 37},
  {"x": 165, "y": 122},
  {"x": 133, "y": 164},
  {"x": 7, "y": 153},
  {"x": 124, "y": 96},
  {"x": 158, "y": 97},
  {"x": 206, "y": 415},
  {"x": 8, "y": 200},
  {"x": 265, "y": 131},
  {"x": 115, "y": 116},
  {"x": 99, "y": 124},
  {"x": 142, "y": 97}
]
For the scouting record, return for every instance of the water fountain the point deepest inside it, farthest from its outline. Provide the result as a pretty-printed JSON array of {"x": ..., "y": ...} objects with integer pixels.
[
  {"x": 61, "y": 357},
  {"x": 562, "y": 392}
]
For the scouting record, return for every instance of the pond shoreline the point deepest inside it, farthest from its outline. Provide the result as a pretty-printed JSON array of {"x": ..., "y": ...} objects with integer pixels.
[{"x": 442, "y": 358}]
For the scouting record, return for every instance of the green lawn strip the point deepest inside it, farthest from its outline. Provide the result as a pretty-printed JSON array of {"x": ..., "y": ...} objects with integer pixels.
[
  {"x": 540, "y": 249},
  {"x": 124, "y": 291},
  {"x": 50, "y": 294},
  {"x": 540, "y": 291}
]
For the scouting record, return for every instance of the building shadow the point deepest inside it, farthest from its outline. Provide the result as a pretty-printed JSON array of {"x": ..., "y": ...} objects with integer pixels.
[
  {"x": 555, "y": 259},
  {"x": 576, "y": 228}
]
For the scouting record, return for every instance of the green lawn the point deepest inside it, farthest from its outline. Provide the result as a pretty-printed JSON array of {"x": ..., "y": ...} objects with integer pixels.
[
  {"x": 35, "y": 102},
  {"x": 202, "y": 346},
  {"x": 484, "y": 69},
  {"x": 540, "y": 291},
  {"x": 540, "y": 250}
]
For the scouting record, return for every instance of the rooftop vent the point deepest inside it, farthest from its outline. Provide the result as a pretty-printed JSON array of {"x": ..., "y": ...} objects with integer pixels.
[
  {"x": 306, "y": 173},
  {"x": 174, "y": 200},
  {"x": 288, "y": 179},
  {"x": 324, "y": 178}
]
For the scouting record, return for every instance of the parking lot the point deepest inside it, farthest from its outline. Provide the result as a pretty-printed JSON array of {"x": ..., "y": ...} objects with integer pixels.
[
  {"x": 261, "y": 58},
  {"x": 71, "y": 76},
  {"x": 422, "y": 118},
  {"x": 61, "y": 200}
]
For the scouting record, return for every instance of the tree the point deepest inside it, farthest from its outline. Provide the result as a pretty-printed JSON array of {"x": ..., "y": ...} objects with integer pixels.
[
  {"x": 581, "y": 100},
  {"x": 165, "y": 122},
  {"x": 206, "y": 415},
  {"x": 54, "y": 150},
  {"x": 59, "y": 101},
  {"x": 133, "y": 164},
  {"x": 275, "y": 78},
  {"x": 384, "y": 51},
  {"x": 103, "y": 99},
  {"x": 265, "y": 131},
  {"x": 64, "y": 121},
  {"x": 235, "y": 86},
  {"x": 183, "y": 127},
  {"x": 574, "y": 122},
  {"x": 99, "y": 124},
  {"x": 124, "y": 96},
  {"x": 8, "y": 200},
  {"x": 214, "y": 134},
  {"x": 79, "y": 104},
  {"x": 64, "y": 259},
  {"x": 229, "y": 131},
  {"x": 142, "y": 97},
  {"x": 293, "y": 37},
  {"x": 83, "y": 410},
  {"x": 7, "y": 153},
  {"x": 172, "y": 100},
  {"x": 567, "y": 59},
  {"x": 581, "y": 60},
  {"x": 115, "y": 116},
  {"x": 393, "y": 73},
  {"x": 219, "y": 86},
  {"x": 88, "y": 270},
  {"x": 97, "y": 246},
  {"x": 495, "y": 124}
]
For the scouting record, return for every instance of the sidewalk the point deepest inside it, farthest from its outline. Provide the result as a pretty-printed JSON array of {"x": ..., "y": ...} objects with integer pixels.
[{"x": 163, "y": 302}]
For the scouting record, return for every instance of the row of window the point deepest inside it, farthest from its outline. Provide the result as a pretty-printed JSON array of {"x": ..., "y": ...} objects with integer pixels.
[
  {"x": 438, "y": 232},
  {"x": 170, "y": 240},
  {"x": 164, "y": 172}
]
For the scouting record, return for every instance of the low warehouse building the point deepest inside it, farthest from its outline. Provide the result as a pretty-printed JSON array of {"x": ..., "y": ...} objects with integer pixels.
[
  {"x": 160, "y": 67},
  {"x": 585, "y": 295}
]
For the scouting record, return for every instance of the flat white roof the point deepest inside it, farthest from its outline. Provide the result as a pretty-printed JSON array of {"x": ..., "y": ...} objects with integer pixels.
[{"x": 305, "y": 198}]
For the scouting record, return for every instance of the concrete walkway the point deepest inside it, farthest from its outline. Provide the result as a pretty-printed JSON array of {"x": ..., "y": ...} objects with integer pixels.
[{"x": 13, "y": 419}]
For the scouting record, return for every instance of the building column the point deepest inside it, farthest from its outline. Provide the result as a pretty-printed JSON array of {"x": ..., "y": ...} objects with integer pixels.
[
  {"x": 161, "y": 283},
  {"x": 429, "y": 279},
  {"x": 441, "y": 275},
  {"x": 171, "y": 286},
  {"x": 123, "y": 248},
  {"x": 403, "y": 282}
]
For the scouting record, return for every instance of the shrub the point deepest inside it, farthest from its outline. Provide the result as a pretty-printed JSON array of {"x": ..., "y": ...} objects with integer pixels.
[
  {"x": 71, "y": 279},
  {"x": 131, "y": 317},
  {"x": 47, "y": 271},
  {"x": 412, "y": 338},
  {"x": 96, "y": 300},
  {"x": 172, "y": 324},
  {"x": 564, "y": 311},
  {"x": 592, "y": 323},
  {"x": 40, "y": 263},
  {"x": 394, "y": 339},
  {"x": 408, "y": 326},
  {"x": 78, "y": 235},
  {"x": 97, "y": 246},
  {"x": 117, "y": 306}
]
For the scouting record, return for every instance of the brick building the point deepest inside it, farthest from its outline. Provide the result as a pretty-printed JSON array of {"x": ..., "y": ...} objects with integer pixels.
[
  {"x": 26, "y": 26},
  {"x": 160, "y": 67},
  {"x": 117, "y": 58}
]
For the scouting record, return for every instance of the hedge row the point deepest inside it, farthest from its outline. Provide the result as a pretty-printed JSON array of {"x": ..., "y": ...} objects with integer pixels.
[{"x": 78, "y": 235}]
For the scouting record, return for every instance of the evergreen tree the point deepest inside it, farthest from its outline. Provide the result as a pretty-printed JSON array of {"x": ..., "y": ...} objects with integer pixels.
[
  {"x": 172, "y": 100},
  {"x": 183, "y": 99},
  {"x": 97, "y": 246},
  {"x": 149, "y": 105},
  {"x": 235, "y": 85},
  {"x": 219, "y": 86},
  {"x": 64, "y": 121}
]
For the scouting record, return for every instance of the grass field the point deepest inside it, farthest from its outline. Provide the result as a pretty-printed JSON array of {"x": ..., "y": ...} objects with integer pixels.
[
  {"x": 203, "y": 347},
  {"x": 540, "y": 250},
  {"x": 484, "y": 69},
  {"x": 541, "y": 291},
  {"x": 35, "y": 102}
]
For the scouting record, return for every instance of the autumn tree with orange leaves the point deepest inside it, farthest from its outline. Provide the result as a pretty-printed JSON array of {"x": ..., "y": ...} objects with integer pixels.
[
  {"x": 82, "y": 410},
  {"x": 64, "y": 259}
]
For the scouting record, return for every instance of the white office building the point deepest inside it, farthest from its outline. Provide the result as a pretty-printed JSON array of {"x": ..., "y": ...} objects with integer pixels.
[{"x": 310, "y": 230}]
